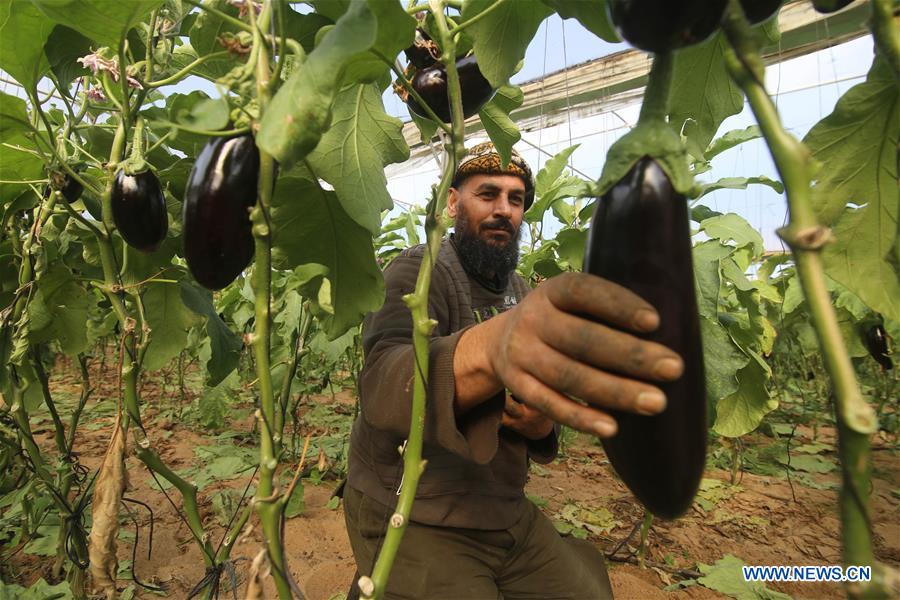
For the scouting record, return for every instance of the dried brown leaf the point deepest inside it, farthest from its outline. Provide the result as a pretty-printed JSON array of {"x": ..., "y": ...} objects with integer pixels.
[
  {"x": 259, "y": 571},
  {"x": 108, "y": 493}
]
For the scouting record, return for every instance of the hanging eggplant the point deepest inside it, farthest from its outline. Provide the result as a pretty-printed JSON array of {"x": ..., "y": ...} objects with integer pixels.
[
  {"x": 640, "y": 239},
  {"x": 221, "y": 190},
  {"x": 139, "y": 210},
  {"x": 664, "y": 25},
  {"x": 431, "y": 85},
  {"x": 877, "y": 345},
  {"x": 424, "y": 52},
  {"x": 830, "y": 6}
]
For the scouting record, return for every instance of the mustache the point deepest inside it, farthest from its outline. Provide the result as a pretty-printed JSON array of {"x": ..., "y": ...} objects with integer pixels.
[{"x": 502, "y": 224}]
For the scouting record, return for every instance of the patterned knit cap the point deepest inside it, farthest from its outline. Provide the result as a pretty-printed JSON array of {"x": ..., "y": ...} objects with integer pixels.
[{"x": 483, "y": 159}]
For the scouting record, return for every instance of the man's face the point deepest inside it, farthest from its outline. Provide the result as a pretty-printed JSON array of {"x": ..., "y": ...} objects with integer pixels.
[
  {"x": 488, "y": 210},
  {"x": 489, "y": 207}
]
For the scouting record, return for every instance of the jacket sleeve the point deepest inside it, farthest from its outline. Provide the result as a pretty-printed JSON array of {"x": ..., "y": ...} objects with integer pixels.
[{"x": 386, "y": 382}]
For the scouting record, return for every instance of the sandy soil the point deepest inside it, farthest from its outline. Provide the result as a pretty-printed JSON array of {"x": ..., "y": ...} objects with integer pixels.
[{"x": 763, "y": 521}]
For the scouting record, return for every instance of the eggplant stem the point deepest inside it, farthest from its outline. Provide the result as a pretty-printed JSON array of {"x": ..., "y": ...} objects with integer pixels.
[{"x": 855, "y": 418}]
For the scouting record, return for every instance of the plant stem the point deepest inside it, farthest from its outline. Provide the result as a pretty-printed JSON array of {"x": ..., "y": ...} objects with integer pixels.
[
  {"x": 423, "y": 325},
  {"x": 185, "y": 71},
  {"x": 269, "y": 510},
  {"x": 656, "y": 96},
  {"x": 856, "y": 420}
]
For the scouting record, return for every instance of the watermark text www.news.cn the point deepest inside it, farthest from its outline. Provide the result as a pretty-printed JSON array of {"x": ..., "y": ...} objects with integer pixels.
[{"x": 807, "y": 573}]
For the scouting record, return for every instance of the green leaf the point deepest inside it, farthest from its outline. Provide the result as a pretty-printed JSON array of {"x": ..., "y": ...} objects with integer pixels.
[
  {"x": 224, "y": 343},
  {"x": 722, "y": 360},
  {"x": 300, "y": 112},
  {"x": 551, "y": 184},
  {"x": 730, "y": 139},
  {"x": 733, "y": 228},
  {"x": 495, "y": 117},
  {"x": 214, "y": 405},
  {"x": 18, "y": 165},
  {"x": 13, "y": 116},
  {"x": 571, "y": 247},
  {"x": 707, "y": 256},
  {"x": 396, "y": 31},
  {"x": 703, "y": 95},
  {"x": 852, "y": 261},
  {"x": 303, "y": 28},
  {"x": 62, "y": 49},
  {"x": 205, "y": 34},
  {"x": 352, "y": 155},
  {"x": 727, "y": 577},
  {"x": 807, "y": 463},
  {"x": 857, "y": 146},
  {"x": 503, "y": 35},
  {"x": 169, "y": 321},
  {"x": 312, "y": 227},
  {"x": 104, "y": 21},
  {"x": 64, "y": 305},
  {"x": 743, "y": 411},
  {"x": 296, "y": 505},
  {"x": 23, "y": 31},
  {"x": 590, "y": 13},
  {"x": 738, "y": 183}
]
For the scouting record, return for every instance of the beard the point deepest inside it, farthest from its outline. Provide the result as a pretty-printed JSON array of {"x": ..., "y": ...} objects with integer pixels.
[{"x": 489, "y": 260}]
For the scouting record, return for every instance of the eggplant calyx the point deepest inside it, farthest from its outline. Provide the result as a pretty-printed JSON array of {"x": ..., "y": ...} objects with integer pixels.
[{"x": 655, "y": 140}]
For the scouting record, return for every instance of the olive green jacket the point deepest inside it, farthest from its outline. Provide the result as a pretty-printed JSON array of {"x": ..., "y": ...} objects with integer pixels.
[{"x": 476, "y": 469}]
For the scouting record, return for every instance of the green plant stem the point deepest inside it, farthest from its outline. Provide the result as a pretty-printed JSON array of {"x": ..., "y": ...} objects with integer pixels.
[
  {"x": 656, "y": 96},
  {"x": 299, "y": 351},
  {"x": 189, "y": 496},
  {"x": 86, "y": 392},
  {"x": 886, "y": 31},
  {"x": 267, "y": 506},
  {"x": 456, "y": 29},
  {"x": 177, "y": 77},
  {"x": 423, "y": 325},
  {"x": 645, "y": 531},
  {"x": 856, "y": 420},
  {"x": 59, "y": 430}
]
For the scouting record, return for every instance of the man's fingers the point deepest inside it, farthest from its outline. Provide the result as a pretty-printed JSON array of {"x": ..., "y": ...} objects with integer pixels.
[
  {"x": 593, "y": 386},
  {"x": 606, "y": 348},
  {"x": 562, "y": 409},
  {"x": 513, "y": 408},
  {"x": 603, "y": 300}
]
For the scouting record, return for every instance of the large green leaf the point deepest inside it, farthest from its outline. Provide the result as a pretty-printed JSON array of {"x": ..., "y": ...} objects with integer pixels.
[
  {"x": 733, "y": 228},
  {"x": 169, "y": 321},
  {"x": 503, "y": 35},
  {"x": 722, "y": 360},
  {"x": 312, "y": 227},
  {"x": 351, "y": 156},
  {"x": 23, "y": 31},
  {"x": 225, "y": 345},
  {"x": 104, "y": 21},
  {"x": 396, "y": 31},
  {"x": 63, "y": 49},
  {"x": 17, "y": 163},
  {"x": 13, "y": 116},
  {"x": 495, "y": 118},
  {"x": 726, "y": 577},
  {"x": 205, "y": 35},
  {"x": 551, "y": 184},
  {"x": 707, "y": 256},
  {"x": 59, "y": 310},
  {"x": 860, "y": 260},
  {"x": 590, "y": 13},
  {"x": 857, "y": 147},
  {"x": 703, "y": 95},
  {"x": 301, "y": 110}
]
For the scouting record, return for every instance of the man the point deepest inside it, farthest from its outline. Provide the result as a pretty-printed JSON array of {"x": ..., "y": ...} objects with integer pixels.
[{"x": 472, "y": 533}]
